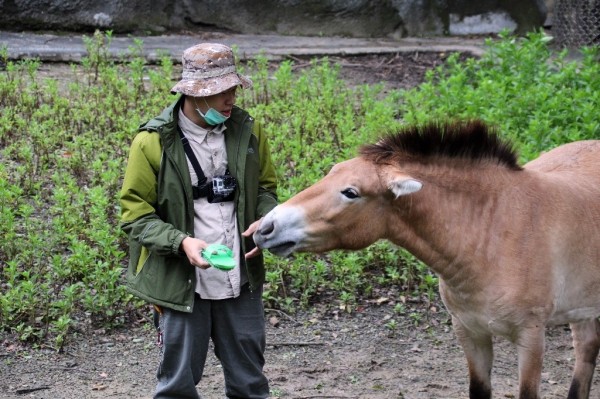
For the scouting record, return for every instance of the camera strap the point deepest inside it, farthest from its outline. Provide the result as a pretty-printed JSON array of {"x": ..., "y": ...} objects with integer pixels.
[
  {"x": 192, "y": 157},
  {"x": 200, "y": 190}
]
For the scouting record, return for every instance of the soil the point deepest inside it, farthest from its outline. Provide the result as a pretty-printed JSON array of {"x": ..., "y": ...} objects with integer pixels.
[
  {"x": 373, "y": 352},
  {"x": 319, "y": 354}
]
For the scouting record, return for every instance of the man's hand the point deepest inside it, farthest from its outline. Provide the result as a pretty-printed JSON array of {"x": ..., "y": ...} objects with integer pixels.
[
  {"x": 248, "y": 233},
  {"x": 192, "y": 248}
]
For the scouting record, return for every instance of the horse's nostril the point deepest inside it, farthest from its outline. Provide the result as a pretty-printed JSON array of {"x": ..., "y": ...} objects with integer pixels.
[{"x": 268, "y": 229}]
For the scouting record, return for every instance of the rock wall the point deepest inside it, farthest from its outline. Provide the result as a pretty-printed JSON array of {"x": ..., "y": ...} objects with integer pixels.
[{"x": 352, "y": 18}]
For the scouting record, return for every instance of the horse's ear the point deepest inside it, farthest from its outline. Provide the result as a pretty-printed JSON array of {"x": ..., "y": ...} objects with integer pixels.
[{"x": 403, "y": 185}]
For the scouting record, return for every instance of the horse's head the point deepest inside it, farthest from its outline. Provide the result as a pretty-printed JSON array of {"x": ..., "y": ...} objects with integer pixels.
[{"x": 347, "y": 209}]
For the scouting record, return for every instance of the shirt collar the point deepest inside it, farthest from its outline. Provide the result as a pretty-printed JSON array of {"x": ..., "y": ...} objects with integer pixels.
[{"x": 198, "y": 133}]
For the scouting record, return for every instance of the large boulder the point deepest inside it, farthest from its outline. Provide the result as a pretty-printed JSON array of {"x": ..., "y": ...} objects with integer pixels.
[
  {"x": 489, "y": 16},
  {"x": 352, "y": 18}
]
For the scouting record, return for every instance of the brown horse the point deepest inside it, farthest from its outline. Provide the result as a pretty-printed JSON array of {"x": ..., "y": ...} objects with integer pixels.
[{"x": 516, "y": 248}]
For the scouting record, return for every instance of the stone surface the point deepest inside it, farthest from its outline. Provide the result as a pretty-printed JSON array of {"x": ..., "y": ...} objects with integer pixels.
[
  {"x": 349, "y": 18},
  {"x": 71, "y": 48}
]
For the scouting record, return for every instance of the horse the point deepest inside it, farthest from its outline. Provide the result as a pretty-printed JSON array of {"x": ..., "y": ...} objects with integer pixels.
[{"x": 516, "y": 248}]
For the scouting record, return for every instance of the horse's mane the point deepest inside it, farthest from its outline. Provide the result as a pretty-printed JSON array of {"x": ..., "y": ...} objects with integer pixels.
[{"x": 472, "y": 140}]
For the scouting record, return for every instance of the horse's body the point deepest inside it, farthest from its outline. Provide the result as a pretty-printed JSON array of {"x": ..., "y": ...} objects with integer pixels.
[{"x": 516, "y": 248}]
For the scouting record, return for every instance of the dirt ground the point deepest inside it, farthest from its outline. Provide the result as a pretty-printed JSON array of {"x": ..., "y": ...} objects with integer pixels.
[{"x": 320, "y": 353}]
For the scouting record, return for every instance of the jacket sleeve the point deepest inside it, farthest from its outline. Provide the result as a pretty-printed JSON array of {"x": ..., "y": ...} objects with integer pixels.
[
  {"x": 267, "y": 189},
  {"x": 138, "y": 198}
]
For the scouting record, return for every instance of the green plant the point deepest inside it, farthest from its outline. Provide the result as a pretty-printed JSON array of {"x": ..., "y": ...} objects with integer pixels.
[
  {"x": 429, "y": 285},
  {"x": 64, "y": 147},
  {"x": 392, "y": 325},
  {"x": 347, "y": 301},
  {"x": 276, "y": 393},
  {"x": 535, "y": 97},
  {"x": 399, "y": 308},
  {"x": 416, "y": 318}
]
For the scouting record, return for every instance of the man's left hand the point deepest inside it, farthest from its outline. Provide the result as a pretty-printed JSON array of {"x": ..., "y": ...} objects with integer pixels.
[{"x": 248, "y": 233}]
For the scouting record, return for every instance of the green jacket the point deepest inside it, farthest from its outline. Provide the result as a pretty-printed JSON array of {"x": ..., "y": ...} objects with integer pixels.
[{"x": 157, "y": 210}]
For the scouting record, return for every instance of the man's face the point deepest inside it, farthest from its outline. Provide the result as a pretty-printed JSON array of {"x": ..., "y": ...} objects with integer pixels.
[{"x": 222, "y": 102}]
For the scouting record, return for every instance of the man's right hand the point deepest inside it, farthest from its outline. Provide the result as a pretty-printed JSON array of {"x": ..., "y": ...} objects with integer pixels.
[{"x": 193, "y": 248}]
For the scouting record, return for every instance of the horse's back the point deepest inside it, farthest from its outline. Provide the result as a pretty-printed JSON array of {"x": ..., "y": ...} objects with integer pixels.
[
  {"x": 569, "y": 180},
  {"x": 579, "y": 160},
  {"x": 569, "y": 187}
]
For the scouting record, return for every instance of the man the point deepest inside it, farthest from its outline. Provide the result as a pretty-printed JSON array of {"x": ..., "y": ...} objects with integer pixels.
[{"x": 171, "y": 211}]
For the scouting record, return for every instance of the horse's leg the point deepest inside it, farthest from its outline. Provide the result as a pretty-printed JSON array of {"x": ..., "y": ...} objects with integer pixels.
[
  {"x": 530, "y": 351},
  {"x": 586, "y": 340},
  {"x": 480, "y": 356}
]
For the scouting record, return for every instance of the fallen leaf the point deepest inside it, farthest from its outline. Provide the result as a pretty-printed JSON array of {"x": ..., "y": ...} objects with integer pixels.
[
  {"x": 416, "y": 349},
  {"x": 379, "y": 301},
  {"x": 274, "y": 321}
]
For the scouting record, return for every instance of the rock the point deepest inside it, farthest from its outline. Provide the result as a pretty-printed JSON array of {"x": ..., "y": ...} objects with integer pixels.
[{"x": 352, "y": 18}]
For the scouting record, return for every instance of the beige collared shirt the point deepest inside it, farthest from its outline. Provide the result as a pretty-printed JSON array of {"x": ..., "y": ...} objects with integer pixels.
[{"x": 213, "y": 223}]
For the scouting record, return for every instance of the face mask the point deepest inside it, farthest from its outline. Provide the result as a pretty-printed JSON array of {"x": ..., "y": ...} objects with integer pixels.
[{"x": 212, "y": 116}]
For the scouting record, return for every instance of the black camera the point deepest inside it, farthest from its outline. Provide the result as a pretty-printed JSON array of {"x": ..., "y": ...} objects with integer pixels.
[{"x": 219, "y": 189}]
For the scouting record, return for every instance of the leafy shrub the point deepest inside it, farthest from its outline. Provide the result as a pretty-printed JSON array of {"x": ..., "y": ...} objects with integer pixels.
[
  {"x": 536, "y": 97},
  {"x": 64, "y": 151}
]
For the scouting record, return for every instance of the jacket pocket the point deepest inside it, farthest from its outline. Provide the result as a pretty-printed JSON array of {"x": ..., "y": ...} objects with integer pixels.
[{"x": 144, "y": 255}]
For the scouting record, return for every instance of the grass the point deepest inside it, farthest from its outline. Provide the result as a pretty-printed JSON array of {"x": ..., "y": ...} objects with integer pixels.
[{"x": 63, "y": 153}]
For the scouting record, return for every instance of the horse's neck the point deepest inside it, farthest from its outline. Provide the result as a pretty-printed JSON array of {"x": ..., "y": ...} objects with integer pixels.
[{"x": 449, "y": 224}]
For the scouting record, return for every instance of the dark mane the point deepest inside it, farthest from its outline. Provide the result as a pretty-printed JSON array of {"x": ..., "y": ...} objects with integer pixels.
[{"x": 472, "y": 140}]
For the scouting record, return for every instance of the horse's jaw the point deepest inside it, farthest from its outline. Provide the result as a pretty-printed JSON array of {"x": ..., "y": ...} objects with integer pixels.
[{"x": 281, "y": 231}]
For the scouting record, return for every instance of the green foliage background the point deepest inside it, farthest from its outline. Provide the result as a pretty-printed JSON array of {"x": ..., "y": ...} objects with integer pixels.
[{"x": 63, "y": 152}]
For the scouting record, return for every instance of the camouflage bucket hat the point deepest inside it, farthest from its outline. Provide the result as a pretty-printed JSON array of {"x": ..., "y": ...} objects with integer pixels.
[{"x": 209, "y": 69}]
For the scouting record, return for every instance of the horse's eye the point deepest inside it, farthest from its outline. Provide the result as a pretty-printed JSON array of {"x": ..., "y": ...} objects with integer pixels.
[{"x": 350, "y": 193}]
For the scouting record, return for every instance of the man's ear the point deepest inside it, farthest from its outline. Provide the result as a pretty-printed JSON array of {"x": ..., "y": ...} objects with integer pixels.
[{"x": 401, "y": 184}]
